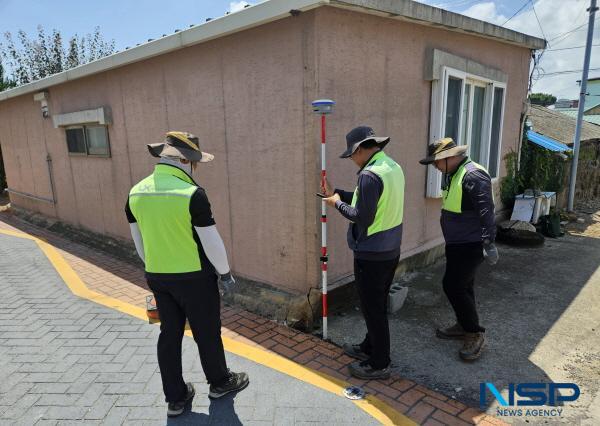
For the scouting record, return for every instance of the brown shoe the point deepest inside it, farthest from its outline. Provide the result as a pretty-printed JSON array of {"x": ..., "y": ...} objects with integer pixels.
[
  {"x": 456, "y": 332},
  {"x": 472, "y": 347}
]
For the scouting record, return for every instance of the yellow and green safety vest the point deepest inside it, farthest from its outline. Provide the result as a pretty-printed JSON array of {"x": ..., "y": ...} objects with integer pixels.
[
  {"x": 390, "y": 207},
  {"x": 161, "y": 206},
  {"x": 452, "y": 196}
]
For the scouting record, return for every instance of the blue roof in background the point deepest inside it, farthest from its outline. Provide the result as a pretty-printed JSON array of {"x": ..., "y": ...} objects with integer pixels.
[{"x": 546, "y": 142}]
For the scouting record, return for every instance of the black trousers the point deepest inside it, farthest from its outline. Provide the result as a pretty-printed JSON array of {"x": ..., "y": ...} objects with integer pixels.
[
  {"x": 197, "y": 299},
  {"x": 462, "y": 261},
  {"x": 373, "y": 280}
]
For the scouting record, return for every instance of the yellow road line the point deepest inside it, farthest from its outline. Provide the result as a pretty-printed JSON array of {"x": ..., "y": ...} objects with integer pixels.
[{"x": 371, "y": 404}]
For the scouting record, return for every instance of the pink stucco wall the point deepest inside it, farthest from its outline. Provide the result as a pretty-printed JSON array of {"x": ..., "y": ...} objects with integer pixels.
[
  {"x": 247, "y": 97},
  {"x": 373, "y": 67}
]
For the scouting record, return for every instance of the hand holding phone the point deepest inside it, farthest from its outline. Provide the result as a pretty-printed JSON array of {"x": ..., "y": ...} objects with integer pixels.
[{"x": 321, "y": 195}]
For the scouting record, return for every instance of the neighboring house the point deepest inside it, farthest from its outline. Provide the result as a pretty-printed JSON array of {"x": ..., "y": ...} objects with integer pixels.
[
  {"x": 559, "y": 126},
  {"x": 243, "y": 83},
  {"x": 562, "y": 104},
  {"x": 591, "y": 112}
]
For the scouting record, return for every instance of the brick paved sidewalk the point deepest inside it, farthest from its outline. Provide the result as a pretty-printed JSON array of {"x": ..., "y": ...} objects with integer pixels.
[{"x": 118, "y": 279}]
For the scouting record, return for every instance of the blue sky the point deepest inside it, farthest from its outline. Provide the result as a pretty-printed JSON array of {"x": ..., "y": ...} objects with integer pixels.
[{"x": 129, "y": 22}]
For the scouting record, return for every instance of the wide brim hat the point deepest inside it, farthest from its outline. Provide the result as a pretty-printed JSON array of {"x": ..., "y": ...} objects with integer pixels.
[
  {"x": 443, "y": 148},
  {"x": 360, "y": 135},
  {"x": 182, "y": 145}
]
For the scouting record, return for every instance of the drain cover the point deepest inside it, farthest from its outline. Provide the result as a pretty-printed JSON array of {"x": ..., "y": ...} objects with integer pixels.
[{"x": 354, "y": 392}]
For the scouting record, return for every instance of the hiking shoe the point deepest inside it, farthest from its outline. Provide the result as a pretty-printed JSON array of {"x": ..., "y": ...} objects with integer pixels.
[
  {"x": 176, "y": 408},
  {"x": 355, "y": 352},
  {"x": 456, "y": 332},
  {"x": 472, "y": 346},
  {"x": 236, "y": 382},
  {"x": 362, "y": 370}
]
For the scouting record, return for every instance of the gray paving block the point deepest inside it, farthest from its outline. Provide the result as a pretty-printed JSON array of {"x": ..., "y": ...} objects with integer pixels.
[
  {"x": 65, "y": 413},
  {"x": 136, "y": 400},
  {"x": 58, "y": 400},
  {"x": 116, "y": 416},
  {"x": 101, "y": 407},
  {"x": 73, "y": 360}
]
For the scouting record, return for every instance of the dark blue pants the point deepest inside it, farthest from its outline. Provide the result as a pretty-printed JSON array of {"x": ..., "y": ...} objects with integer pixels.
[
  {"x": 373, "y": 281},
  {"x": 462, "y": 261},
  {"x": 197, "y": 299}
]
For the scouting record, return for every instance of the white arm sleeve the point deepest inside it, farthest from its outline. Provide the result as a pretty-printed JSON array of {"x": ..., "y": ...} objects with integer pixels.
[
  {"x": 137, "y": 240},
  {"x": 213, "y": 247}
]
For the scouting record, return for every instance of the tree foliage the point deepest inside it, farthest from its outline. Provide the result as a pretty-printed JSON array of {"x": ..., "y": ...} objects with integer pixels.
[
  {"x": 5, "y": 83},
  {"x": 32, "y": 58},
  {"x": 538, "y": 169},
  {"x": 543, "y": 99}
]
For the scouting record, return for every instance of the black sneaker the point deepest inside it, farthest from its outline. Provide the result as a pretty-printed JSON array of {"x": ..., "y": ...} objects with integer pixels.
[
  {"x": 362, "y": 370},
  {"x": 355, "y": 352},
  {"x": 236, "y": 382},
  {"x": 176, "y": 408}
]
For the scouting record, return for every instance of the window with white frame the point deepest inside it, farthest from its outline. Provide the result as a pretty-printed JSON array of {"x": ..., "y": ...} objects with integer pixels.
[
  {"x": 89, "y": 140},
  {"x": 469, "y": 109}
]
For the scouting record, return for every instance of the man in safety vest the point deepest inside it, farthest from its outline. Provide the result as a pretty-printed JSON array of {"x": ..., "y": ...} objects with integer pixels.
[
  {"x": 375, "y": 210},
  {"x": 175, "y": 236},
  {"x": 469, "y": 229}
]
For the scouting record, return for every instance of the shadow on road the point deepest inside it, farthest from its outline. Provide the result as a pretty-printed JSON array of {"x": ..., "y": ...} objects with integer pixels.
[
  {"x": 220, "y": 411},
  {"x": 537, "y": 305}
]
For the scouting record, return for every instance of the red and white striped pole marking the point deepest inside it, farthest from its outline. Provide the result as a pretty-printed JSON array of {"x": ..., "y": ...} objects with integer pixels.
[{"x": 323, "y": 107}]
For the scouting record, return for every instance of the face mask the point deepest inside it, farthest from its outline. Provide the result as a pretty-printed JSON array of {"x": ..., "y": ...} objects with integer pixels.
[{"x": 173, "y": 162}]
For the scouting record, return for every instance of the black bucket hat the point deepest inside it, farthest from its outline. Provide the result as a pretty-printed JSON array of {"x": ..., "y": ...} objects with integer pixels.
[
  {"x": 359, "y": 135},
  {"x": 180, "y": 144}
]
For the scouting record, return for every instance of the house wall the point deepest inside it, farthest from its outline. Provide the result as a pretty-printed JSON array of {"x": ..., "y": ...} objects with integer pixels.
[
  {"x": 247, "y": 97},
  {"x": 242, "y": 95},
  {"x": 373, "y": 68}
]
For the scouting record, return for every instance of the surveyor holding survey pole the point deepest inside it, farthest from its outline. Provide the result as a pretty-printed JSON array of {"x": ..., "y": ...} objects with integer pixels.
[
  {"x": 375, "y": 211},
  {"x": 176, "y": 238}
]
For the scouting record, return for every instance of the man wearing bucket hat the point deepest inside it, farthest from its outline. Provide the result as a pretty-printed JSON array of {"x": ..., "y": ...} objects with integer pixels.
[
  {"x": 375, "y": 210},
  {"x": 469, "y": 229},
  {"x": 176, "y": 238}
]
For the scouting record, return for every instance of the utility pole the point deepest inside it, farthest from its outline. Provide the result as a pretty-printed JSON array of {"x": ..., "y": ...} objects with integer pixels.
[{"x": 584, "y": 77}]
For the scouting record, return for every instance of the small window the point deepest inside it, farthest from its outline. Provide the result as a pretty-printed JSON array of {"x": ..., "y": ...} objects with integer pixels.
[
  {"x": 76, "y": 140},
  {"x": 88, "y": 140}
]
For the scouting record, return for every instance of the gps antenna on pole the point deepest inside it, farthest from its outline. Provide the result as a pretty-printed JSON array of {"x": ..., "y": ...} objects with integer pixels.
[{"x": 323, "y": 107}]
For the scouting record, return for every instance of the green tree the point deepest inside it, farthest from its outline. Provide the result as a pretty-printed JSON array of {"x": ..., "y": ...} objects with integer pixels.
[
  {"x": 543, "y": 99},
  {"x": 4, "y": 82},
  {"x": 32, "y": 58}
]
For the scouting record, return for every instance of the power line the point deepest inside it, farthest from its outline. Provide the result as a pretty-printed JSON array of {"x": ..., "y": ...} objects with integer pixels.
[
  {"x": 552, "y": 74},
  {"x": 538, "y": 20},
  {"x": 517, "y": 12},
  {"x": 570, "y": 48},
  {"x": 567, "y": 34}
]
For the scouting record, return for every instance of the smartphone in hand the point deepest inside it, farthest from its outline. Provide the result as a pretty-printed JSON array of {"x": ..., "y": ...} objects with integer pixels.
[{"x": 321, "y": 195}]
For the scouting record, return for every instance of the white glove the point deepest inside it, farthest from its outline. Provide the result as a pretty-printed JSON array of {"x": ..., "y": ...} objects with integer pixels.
[{"x": 490, "y": 253}]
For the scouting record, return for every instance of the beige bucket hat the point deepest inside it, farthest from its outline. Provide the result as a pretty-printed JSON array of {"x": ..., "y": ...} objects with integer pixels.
[
  {"x": 443, "y": 148},
  {"x": 180, "y": 144}
]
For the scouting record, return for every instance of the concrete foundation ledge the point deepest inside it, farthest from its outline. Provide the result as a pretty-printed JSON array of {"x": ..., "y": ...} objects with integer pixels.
[
  {"x": 300, "y": 311},
  {"x": 117, "y": 247}
]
